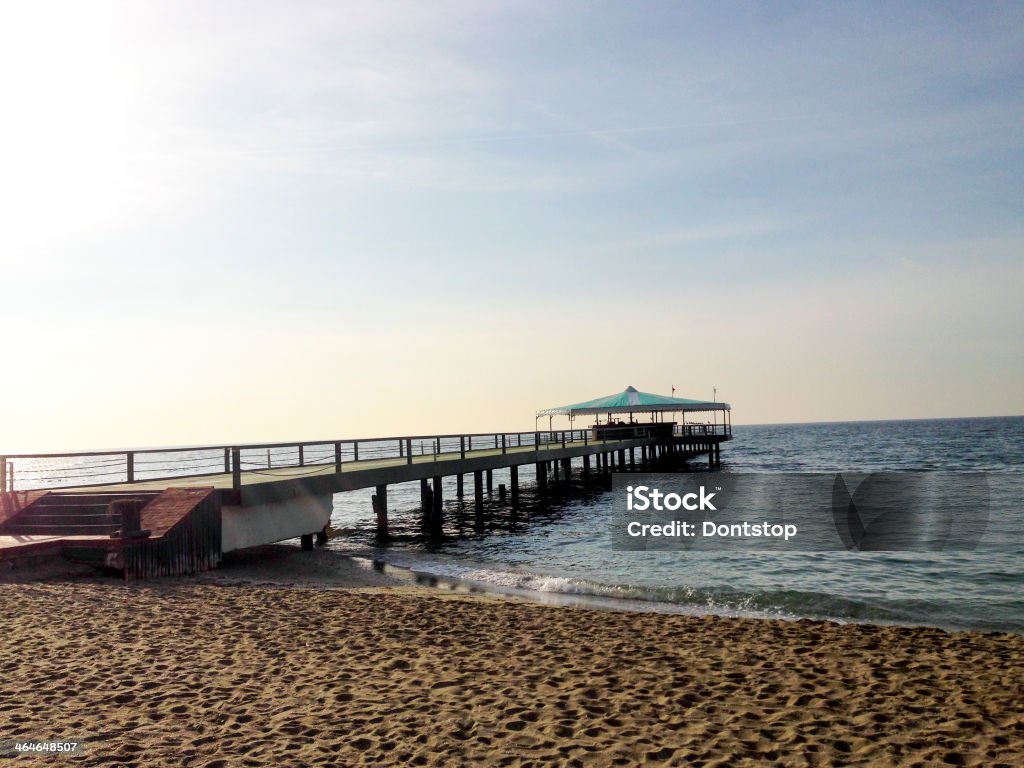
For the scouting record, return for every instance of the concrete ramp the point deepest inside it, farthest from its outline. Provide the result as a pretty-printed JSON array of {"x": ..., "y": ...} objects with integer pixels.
[{"x": 273, "y": 521}]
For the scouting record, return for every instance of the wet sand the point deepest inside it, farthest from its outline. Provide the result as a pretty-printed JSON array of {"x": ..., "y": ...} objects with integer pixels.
[{"x": 318, "y": 662}]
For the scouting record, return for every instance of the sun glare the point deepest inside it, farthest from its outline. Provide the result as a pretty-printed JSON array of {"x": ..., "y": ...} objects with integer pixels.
[{"x": 66, "y": 125}]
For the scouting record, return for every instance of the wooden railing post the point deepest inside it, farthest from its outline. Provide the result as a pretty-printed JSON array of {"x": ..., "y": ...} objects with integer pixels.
[
  {"x": 504, "y": 449},
  {"x": 3, "y": 474},
  {"x": 302, "y": 456},
  {"x": 355, "y": 450},
  {"x": 536, "y": 441},
  {"x": 563, "y": 438},
  {"x": 337, "y": 457},
  {"x": 227, "y": 461},
  {"x": 130, "y": 465},
  {"x": 236, "y": 468},
  {"x": 408, "y": 450},
  {"x": 462, "y": 448}
]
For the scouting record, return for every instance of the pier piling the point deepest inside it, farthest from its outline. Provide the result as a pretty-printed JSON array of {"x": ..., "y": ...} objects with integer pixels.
[
  {"x": 437, "y": 507},
  {"x": 514, "y": 482},
  {"x": 380, "y": 510},
  {"x": 478, "y": 491}
]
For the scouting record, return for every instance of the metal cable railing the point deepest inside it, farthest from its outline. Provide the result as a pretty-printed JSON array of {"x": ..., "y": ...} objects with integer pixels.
[{"x": 93, "y": 468}]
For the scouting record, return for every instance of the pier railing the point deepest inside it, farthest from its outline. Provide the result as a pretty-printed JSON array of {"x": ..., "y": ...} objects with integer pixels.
[
  {"x": 703, "y": 430},
  {"x": 35, "y": 471}
]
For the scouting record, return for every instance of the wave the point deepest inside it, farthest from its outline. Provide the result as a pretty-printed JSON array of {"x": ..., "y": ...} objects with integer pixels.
[{"x": 788, "y": 605}]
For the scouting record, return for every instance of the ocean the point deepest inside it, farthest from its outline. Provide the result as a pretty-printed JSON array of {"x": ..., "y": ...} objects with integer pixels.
[{"x": 558, "y": 547}]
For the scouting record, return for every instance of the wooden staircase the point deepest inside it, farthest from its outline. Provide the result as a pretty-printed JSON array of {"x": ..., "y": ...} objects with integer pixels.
[
  {"x": 70, "y": 514},
  {"x": 180, "y": 530}
]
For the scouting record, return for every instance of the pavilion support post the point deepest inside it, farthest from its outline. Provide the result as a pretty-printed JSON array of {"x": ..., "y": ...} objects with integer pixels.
[
  {"x": 490, "y": 481},
  {"x": 380, "y": 510},
  {"x": 542, "y": 476},
  {"x": 513, "y": 481},
  {"x": 458, "y": 485},
  {"x": 478, "y": 492}
]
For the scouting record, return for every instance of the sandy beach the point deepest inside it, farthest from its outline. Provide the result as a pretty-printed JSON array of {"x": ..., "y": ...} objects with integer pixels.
[{"x": 318, "y": 662}]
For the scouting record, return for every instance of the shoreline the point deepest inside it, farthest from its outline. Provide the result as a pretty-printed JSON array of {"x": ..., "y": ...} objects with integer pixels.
[
  {"x": 286, "y": 566},
  {"x": 635, "y": 603}
]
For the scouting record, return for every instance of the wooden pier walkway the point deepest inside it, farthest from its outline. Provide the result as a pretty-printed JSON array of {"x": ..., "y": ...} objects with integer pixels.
[{"x": 264, "y": 493}]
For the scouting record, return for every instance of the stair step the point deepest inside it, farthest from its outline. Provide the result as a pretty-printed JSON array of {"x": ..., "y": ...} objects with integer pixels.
[
  {"x": 58, "y": 530},
  {"x": 55, "y": 509},
  {"x": 82, "y": 499},
  {"x": 59, "y": 518}
]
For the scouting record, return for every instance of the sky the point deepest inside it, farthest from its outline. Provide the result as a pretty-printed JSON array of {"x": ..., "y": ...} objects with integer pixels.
[{"x": 251, "y": 221}]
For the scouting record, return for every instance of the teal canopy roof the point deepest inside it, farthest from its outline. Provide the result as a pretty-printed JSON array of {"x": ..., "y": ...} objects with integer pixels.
[{"x": 631, "y": 400}]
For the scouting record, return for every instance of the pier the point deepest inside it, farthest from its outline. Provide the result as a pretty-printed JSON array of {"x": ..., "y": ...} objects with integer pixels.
[{"x": 154, "y": 511}]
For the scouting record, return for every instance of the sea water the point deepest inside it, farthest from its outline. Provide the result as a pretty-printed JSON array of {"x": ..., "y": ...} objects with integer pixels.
[{"x": 559, "y": 545}]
